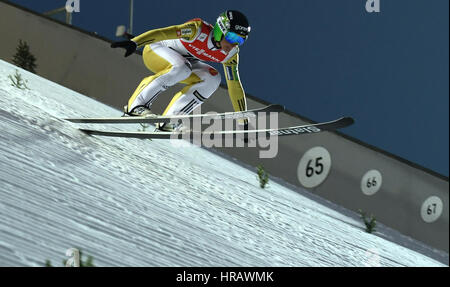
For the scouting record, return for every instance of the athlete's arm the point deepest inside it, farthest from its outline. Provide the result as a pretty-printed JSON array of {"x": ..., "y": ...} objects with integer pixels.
[
  {"x": 235, "y": 90},
  {"x": 186, "y": 31}
]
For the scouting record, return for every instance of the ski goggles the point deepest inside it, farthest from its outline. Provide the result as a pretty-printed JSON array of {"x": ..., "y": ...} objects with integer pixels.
[{"x": 234, "y": 38}]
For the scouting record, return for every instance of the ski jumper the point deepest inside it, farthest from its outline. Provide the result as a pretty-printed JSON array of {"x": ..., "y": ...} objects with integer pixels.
[{"x": 176, "y": 54}]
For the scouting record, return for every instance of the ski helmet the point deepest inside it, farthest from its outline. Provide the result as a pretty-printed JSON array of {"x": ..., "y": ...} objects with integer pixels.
[{"x": 233, "y": 25}]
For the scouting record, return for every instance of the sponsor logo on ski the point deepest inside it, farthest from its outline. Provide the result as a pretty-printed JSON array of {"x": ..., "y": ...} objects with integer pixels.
[{"x": 296, "y": 131}]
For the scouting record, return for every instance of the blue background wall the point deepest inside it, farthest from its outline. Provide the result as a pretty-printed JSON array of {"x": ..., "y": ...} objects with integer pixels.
[{"x": 325, "y": 59}]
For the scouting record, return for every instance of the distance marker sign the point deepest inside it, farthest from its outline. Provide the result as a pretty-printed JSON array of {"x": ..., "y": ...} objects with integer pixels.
[
  {"x": 371, "y": 182},
  {"x": 314, "y": 167},
  {"x": 431, "y": 209}
]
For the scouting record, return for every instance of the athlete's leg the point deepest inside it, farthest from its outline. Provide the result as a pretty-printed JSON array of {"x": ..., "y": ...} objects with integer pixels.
[
  {"x": 202, "y": 83},
  {"x": 169, "y": 68}
]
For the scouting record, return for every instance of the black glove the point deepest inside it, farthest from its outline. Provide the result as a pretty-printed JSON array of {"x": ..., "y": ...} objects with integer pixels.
[{"x": 129, "y": 45}]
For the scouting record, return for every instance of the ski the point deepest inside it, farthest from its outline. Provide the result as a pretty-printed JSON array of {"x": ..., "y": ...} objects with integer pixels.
[
  {"x": 167, "y": 119},
  {"x": 287, "y": 131}
]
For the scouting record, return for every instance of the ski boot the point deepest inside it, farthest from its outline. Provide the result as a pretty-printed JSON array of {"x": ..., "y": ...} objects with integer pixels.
[
  {"x": 169, "y": 127},
  {"x": 138, "y": 111}
]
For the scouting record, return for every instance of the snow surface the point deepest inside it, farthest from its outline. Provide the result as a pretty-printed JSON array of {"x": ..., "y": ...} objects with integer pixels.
[{"x": 132, "y": 202}]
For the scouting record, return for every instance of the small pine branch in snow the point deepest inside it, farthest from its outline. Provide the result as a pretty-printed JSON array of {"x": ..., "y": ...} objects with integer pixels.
[
  {"x": 23, "y": 57},
  {"x": 144, "y": 127},
  {"x": 17, "y": 81},
  {"x": 262, "y": 176},
  {"x": 369, "y": 222}
]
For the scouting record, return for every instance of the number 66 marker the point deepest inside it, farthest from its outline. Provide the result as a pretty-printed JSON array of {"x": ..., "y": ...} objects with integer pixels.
[{"x": 371, "y": 182}]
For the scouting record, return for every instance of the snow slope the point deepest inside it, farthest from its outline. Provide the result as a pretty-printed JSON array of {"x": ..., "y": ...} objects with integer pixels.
[{"x": 131, "y": 202}]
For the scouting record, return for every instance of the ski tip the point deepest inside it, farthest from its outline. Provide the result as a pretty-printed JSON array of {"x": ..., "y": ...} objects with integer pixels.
[
  {"x": 276, "y": 108},
  {"x": 347, "y": 121}
]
